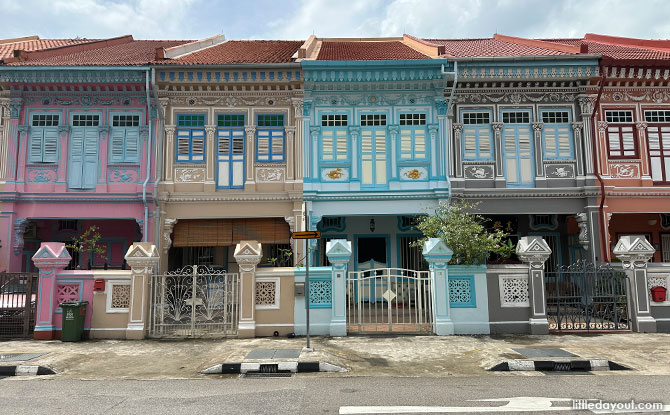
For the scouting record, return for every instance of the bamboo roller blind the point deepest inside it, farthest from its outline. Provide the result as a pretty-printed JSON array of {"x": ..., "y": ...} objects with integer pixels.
[{"x": 227, "y": 232}]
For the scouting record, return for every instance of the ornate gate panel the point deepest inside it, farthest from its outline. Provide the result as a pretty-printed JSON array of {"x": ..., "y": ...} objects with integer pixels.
[
  {"x": 18, "y": 303},
  {"x": 586, "y": 297},
  {"x": 195, "y": 301},
  {"x": 389, "y": 300}
]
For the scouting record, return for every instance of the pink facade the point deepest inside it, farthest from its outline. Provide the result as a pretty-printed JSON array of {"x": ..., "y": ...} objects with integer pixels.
[{"x": 78, "y": 157}]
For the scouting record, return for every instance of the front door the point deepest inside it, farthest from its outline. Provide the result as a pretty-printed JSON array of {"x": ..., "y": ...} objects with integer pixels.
[
  {"x": 83, "y": 154},
  {"x": 230, "y": 158},
  {"x": 518, "y": 149}
]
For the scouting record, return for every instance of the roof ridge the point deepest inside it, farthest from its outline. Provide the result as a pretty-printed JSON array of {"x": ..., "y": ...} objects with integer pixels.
[
  {"x": 423, "y": 46},
  {"x": 19, "y": 39},
  {"x": 189, "y": 47},
  {"x": 662, "y": 45},
  {"x": 23, "y": 55},
  {"x": 537, "y": 43}
]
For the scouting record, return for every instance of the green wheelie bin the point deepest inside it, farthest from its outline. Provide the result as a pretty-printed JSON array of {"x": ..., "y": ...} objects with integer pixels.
[{"x": 74, "y": 313}]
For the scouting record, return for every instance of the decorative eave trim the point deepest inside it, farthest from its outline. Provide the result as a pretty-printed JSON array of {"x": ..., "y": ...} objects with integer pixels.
[
  {"x": 91, "y": 75},
  {"x": 318, "y": 197},
  {"x": 528, "y": 70},
  {"x": 112, "y": 198},
  {"x": 215, "y": 198},
  {"x": 573, "y": 193}
]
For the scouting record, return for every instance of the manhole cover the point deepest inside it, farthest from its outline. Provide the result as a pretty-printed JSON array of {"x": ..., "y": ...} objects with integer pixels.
[
  {"x": 532, "y": 353},
  {"x": 19, "y": 357},
  {"x": 273, "y": 354}
]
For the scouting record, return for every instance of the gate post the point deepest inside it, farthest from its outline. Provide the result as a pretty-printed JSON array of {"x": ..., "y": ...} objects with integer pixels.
[
  {"x": 534, "y": 251},
  {"x": 142, "y": 257},
  {"x": 338, "y": 252},
  {"x": 50, "y": 259},
  {"x": 247, "y": 255},
  {"x": 438, "y": 255},
  {"x": 635, "y": 251}
]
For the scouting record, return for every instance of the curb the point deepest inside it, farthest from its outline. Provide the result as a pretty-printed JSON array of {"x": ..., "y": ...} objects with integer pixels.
[
  {"x": 557, "y": 365},
  {"x": 25, "y": 370},
  {"x": 272, "y": 367}
]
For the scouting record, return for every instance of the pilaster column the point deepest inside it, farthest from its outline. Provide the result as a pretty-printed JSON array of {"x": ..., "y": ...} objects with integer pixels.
[
  {"x": 497, "y": 141},
  {"x": 586, "y": 105},
  {"x": 446, "y": 143},
  {"x": 210, "y": 131},
  {"x": 306, "y": 147},
  {"x": 438, "y": 255},
  {"x": 435, "y": 150},
  {"x": 297, "y": 111},
  {"x": 170, "y": 131},
  {"x": 4, "y": 137},
  {"x": 144, "y": 150},
  {"x": 22, "y": 148},
  {"x": 537, "y": 147},
  {"x": 534, "y": 251},
  {"x": 64, "y": 137},
  {"x": 251, "y": 152},
  {"x": 644, "y": 150},
  {"x": 457, "y": 168},
  {"x": 579, "y": 147},
  {"x": 290, "y": 152},
  {"x": 338, "y": 252},
  {"x": 143, "y": 258},
  {"x": 103, "y": 134},
  {"x": 314, "y": 133},
  {"x": 50, "y": 259},
  {"x": 247, "y": 255},
  {"x": 393, "y": 132},
  {"x": 601, "y": 142},
  {"x": 13, "y": 149},
  {"x": 635, "y": 251},
  {"x": 354, "y": 131}
]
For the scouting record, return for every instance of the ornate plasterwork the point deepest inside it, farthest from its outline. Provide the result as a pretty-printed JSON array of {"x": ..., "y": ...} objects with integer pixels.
[
  {"x": 478, "y": 171},
  {"x": 189, "y": 175},
  {"x": 71, "y": 77},
  {"x": 513, "y": 96},
  {"x": 533, "y": 250},
  {"x": 514, "y": 290},
  {"x": 583, "y": 223},
  {"x": 168, "y": 226},
  {"x": 41, "y": 175},
  {"x": 269, "y": 174},
  {"x": 15, "y": 105},
  {"x": 231, "y": 98},
  {"x": 559, "y": 171},
  {"x": 652, "y": 95},
  {"x": 291, "y": 222},
  {"x": 80, "y": 99},
  {"x": 413, "y": 173},
  {"x": 20, "y": 225},
  {"x": 625, "y": 170},
  {"x": 555, "y": 71},
  {"x": 247, "y": 255},
  {"x": 634, "y": 251}
]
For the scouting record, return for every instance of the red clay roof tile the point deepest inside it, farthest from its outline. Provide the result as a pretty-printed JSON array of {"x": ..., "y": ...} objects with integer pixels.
[
  {"x": 7, "y": 49},
  {"x": 367, "y": 51},
  {"x": 489, "y": 47},
  {"x": 240, "y": 52},
  {"x": 614, "y": 51}
]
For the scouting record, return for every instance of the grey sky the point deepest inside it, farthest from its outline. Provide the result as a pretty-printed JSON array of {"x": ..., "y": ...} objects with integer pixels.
[{"x": 297, "y": 19}]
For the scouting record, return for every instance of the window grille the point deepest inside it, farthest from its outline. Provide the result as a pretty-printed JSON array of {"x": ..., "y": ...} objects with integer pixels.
[
  {"x": 46, "y": 120},
  {"x": 85, "y": 120},
  {"x": 476, "y": 118},
  {"x": 661, "y": 116},
  {"x": 373, "y": 120},
  {"x": 412, "y": 119},
  {"x": 335, "y": 120},
  {"x": 619, "y": 116},
  {"x": 125, "y": 121},
  {"x": 517, "y": 117}
]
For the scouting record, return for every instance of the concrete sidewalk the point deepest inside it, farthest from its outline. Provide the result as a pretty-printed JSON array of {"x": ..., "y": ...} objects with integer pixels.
[{"x": 362, "y": 355}]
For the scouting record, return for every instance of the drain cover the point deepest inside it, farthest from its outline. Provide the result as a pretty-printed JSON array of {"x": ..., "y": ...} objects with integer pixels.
[
  {"x": 267, "y": 375},
  {"x": 532, "y": 353},
  {"x": 19, "y": 357}
]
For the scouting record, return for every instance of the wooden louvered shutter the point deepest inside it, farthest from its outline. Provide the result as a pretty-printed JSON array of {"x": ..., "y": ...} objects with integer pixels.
[
  {"x": 406, "y": 143},
  {"x": 183, "y": 141},
  {"x": 484, "y": 141},
  {"x": 132, "y": 145},
  {"x": 76, "y": 159},
  {"x": 263, "y": 144},
  {"x": 419, "y": 143},
  {"x": 197, "y": 145},
  {"x": 628, "y": 141},
  {"x": 90, "y": 170},
  {"x": 50, "y": 150},
  {"x": 470, "y": 143},
  {"x": 613, "y": 141},
  {"x": 277, "y": 145},
  {"x": 564, "y": 142},
  {"x": 36, "y": 144},
  {"x": 327, "y": 144},
  {"x": 118, "y": 136},
  {"x": 341, "y": 144}
]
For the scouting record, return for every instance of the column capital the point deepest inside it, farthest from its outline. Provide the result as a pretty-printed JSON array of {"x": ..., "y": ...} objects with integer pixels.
[
  {"x": 586, "y": 104},
  {"x": 497, "y": 126},
  {"x": 577, "y": 126},
  {"x": 248, "y": 255},
  {"x": 533, "y": 250},
  {"x": 15, "y": 105},
  {"x": 354, "y": 129},
  {"x": 433, "y": 128},
  {"x": 170, "y": 130},
  {"x": 103, "y": 130},
  {"x": 634, "y": 251},
  {"x": 250, "y": 130},
  {"x": 314, "y": 130},
  {"x": 602, "y": 125},
  {"x": 297, "y": 107},
  {"x": 210, "y": 130},
  {"x": 23, "y": 130},
  {"x": 537, "y": 126},
  {"x": 290, "y": 130},
  {"x": 393, "y": 128},
  {"x": 457, "y": 126},
  {"x": 641, "y": 125}
]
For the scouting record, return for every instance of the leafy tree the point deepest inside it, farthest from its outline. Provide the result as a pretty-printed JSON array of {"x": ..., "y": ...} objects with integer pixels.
[
  {"x": 88, "y": 242},
  {"x": 464, "y": 233}
]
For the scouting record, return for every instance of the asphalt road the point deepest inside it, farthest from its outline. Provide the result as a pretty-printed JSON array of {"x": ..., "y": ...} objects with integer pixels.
[{"x": 321, "y": 395}]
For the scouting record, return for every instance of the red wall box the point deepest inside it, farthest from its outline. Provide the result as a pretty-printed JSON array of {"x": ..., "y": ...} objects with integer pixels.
[
  {"x": 99, "y": 285},
  {"x": 658, "y": 294}
]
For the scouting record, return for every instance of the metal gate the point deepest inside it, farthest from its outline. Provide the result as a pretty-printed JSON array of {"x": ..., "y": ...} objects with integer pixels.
[
  {"x": 389, "y": 300},
  {"x": 195, "y": 301},
  {"x": 18, "y": 304},
  {"x": 587, "y": 297}
]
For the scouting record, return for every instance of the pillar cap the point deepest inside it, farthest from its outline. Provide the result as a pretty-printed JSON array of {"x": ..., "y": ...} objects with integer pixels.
[
  {"x": 533, "y": 250},
  {"x": 248, "y": 254},
  {"x": 633, "y": 248},
  {"x": 141, "y": 254},
  {"x": 51, "y": 254},
  {"x": 338, "y": 250},
  {"x": 435, "y": 250}
]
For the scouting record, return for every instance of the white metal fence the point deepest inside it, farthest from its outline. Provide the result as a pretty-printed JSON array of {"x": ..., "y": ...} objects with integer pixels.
[
  {"x": 389, "y": 300},
  {"x": 194, "y": 301}
]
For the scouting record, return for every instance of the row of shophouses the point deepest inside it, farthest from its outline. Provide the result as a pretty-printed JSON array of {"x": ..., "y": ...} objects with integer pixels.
[{"x": 198, "y": 146}]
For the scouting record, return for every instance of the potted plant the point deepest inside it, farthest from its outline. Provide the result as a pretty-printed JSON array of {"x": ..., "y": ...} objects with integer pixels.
[{"x": 88, "y": 242}]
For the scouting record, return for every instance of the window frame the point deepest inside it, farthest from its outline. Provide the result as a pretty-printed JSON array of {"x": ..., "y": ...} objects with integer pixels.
[
  {"x": 631, "y": 124},
  {"x": 545, "y": 127},
  {"x": 230, "y": 160},
  {"x": 125, "y": 160},
  {"x": 190, "y": 130},
  {"x": 42, "y": 144},
  {"x": 663, "y": 151},
  {"x": 477, "y": 126},
  {"x": 413, "y": 128},
  {"x": 347, "y": 153},
  {"x": 281, "y": 129}
]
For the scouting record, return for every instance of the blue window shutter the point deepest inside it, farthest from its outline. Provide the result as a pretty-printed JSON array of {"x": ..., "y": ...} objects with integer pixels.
[
  {"x": 118, "y": 136},
  {"x": 132, "y": 154},
  {"x": 36, "y": 139},
  {"x": 90, "y": 171},
  {"x": 76, "y": 159},
  {"x": 50, "y": 149}
]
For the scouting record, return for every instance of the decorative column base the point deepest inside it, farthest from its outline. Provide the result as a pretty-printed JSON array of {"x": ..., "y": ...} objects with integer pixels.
[
  {"x": 444, "y": 327},
  {"x": 539, "y": 326},
  {"x": 246, "y": 329},
  {"x": 339, "y": 253}
]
